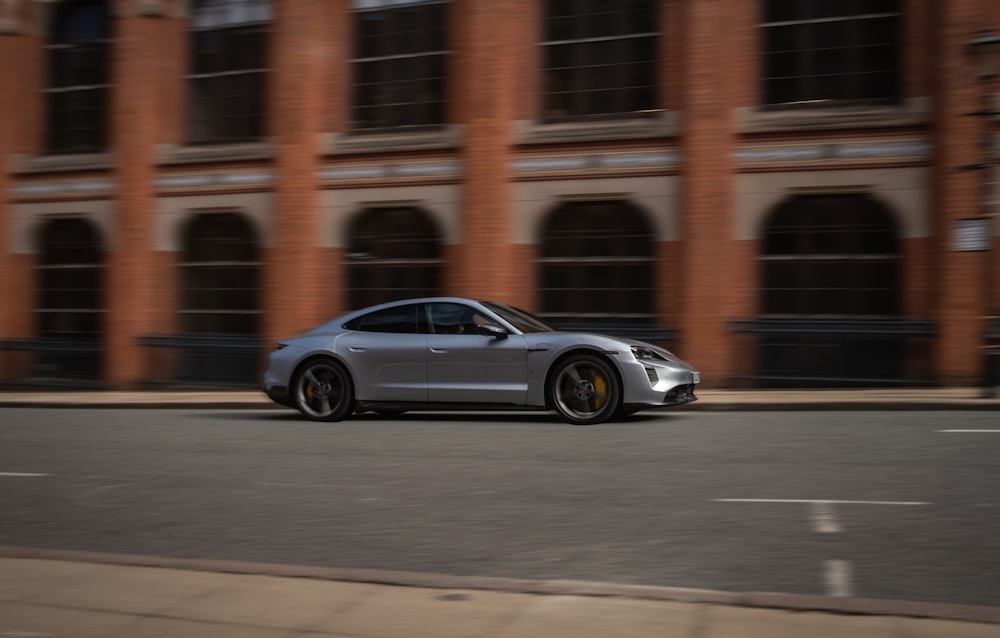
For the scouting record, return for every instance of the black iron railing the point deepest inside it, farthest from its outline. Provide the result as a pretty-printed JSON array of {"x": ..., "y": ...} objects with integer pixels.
[
  {"x": 838, "y": 352},
  {"x": 223, "y": 360},
  {"x": 55, "y": 360}
]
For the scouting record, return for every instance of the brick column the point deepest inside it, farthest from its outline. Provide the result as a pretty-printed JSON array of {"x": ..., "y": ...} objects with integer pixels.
[
  {"x": 707, "y": 192},
  {"x": 15, "y": 276},
  {"x": 132, "y": 280},
  {"x": 484, "y": 264},
  {"x": 21, "y": 112},
  {"x": 295, "y": 291},
  {"x": 959, "y": 281}
]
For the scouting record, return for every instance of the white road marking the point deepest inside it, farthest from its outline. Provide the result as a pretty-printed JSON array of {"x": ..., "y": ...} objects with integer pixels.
[
  {"x": 838, "y": 577},
  {"x": 21, "y": 474},
  {"x": 816, "y": 500},
  {"x": 992, "y": 431},
  {"x": 823, "y": 518}
]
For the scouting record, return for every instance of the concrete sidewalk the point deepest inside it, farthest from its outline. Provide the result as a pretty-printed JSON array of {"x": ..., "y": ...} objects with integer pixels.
[
  {"x": 863, "y": 399},
  {"x": 47, "y": 597}
]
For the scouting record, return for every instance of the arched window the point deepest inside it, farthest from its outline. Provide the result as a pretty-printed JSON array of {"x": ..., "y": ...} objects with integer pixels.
[
  {"x": 597, "y": 264},
  {"x": 220, "y": 276},
  {"x": 227, "y": 70},
  {"x": 830, "y": 255},
  {"x": 70, "y": 311},
  {"x": 600, "y": 58},
  {"x": 77, "y": 88},
  {"x": 394, "y": 253}
]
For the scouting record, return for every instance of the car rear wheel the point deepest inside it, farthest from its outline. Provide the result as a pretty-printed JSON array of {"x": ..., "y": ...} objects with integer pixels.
[
  {"x": 585, "y": 390},
  {"x": 323, "y": 391}
]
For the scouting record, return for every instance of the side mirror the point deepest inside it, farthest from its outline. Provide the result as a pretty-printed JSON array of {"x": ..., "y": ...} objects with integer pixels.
[{"x": 492, "y": 330}]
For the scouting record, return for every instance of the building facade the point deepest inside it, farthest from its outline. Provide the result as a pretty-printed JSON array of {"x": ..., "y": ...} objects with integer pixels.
[{"x": 773, "y": 188}]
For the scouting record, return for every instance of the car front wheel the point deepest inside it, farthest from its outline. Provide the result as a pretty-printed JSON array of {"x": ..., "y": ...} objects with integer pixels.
[
  {"x": 323, "y": 391},
  {"x": 585, "y": 390}
]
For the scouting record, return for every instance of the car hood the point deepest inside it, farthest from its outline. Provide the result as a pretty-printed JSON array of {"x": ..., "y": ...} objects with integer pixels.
[{"x": 607, "y": 342}]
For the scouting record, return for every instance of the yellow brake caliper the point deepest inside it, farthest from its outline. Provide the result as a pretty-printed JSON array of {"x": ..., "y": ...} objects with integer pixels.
[{"x": 600, "y": 391}]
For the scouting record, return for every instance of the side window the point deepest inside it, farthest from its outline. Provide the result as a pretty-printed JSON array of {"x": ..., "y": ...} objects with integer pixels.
[
  {"x": 401, "y": 320},
  {"x": 454, "y": 319}
]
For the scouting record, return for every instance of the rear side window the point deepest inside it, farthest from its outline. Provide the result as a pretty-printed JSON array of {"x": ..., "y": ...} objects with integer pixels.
[{"x": 400, "y": 319}]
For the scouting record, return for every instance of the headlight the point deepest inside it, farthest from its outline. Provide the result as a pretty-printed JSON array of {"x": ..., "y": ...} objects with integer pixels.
[{"x": 643, "y": 353}]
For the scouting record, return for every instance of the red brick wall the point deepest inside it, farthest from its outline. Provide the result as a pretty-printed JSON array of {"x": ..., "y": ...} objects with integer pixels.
[
  {"x": 958, "y": 283},
  {"x": 297, "y": 104},
  {"x": 132, "y": 280},
  {"x": 482, "y": 265},
  {"x": 707, "y": 193}
]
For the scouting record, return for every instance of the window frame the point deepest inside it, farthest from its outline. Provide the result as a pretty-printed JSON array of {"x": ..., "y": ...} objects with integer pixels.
[
  {"x": 575, "y": 266},
  {"x": 804, "y": 58},
  {"x": 200, "y": 278},
  {"x": 413, "y": 115},
  {"x": 801, "y": 266},
  {"x": 209, "y": 86},
  {"x": 66, "y": 47},
  {"x": 580, "y": 48}
]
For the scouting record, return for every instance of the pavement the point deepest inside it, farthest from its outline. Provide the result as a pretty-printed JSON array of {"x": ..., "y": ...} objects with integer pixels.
[
  {"x": 47, "y": 592},
  {"x": 956, "y": 398}
]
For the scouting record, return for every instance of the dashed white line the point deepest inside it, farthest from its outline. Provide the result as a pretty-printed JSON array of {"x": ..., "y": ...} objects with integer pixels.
[
  {"x": 839, "y": 578},
  {"x": 983, "y": 431},
  {"x": 823, "y": 518},
  {"x": 21, "y": 474},
  {"x": 816, "y": 500}
]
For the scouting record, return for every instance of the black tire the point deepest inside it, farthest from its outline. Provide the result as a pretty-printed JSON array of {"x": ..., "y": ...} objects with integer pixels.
[
  {"x": 323, "y": 390},
  {"x": 584, "y": 390}
]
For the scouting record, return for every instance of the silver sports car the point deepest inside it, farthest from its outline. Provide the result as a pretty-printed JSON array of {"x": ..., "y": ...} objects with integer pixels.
[{"x": 451, "y": 353}]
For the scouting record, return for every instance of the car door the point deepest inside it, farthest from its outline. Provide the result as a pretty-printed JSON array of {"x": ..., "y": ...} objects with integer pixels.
[
  {"x": 387, "y": 355},
  {"x": 464, "y": 366}
]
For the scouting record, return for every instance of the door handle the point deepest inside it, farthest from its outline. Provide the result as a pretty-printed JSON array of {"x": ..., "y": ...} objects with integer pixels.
[
  {"x": 357, "y": 348},
  {"x": 438, "y": 349}
]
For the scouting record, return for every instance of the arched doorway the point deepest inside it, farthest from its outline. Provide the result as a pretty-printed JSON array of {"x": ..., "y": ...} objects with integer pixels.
[
  {"x": 220, "y": 313},
  {"x": 70, "y": 280},
  {"x": 597, "y": 266},
  {"x": 830, "y": 294},
  {"x": 393, "y": 253}
]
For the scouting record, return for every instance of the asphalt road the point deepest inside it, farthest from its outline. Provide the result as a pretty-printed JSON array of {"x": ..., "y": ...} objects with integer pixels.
[{"x": 870, "y": 504}]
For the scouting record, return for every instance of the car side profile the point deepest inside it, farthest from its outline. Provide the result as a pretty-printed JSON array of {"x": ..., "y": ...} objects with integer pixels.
[{"x": 452, "y": 353}]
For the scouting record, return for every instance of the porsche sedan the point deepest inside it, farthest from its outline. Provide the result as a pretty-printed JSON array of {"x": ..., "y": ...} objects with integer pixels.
[{"x": 451, "y": 353}]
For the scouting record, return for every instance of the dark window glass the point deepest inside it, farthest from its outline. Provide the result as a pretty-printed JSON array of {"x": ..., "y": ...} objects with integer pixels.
[
  {"x": 599, "y": 58},
  {"x": 596, "y": 264},
  {"x": 227, "y": 71},
  {"x": 70, "y": 279},
  {"x": 453, "y": 319},
  {"x": 817, "y": 51},
  {"x": 394, "y": 253},
  {"x": 400, "y": 61},
  {"x": 402, "y": 320},
  {"x": 77, "y": 88},
  {"x": 830, "y": 255},
  {"x": 220, "y": 275}
]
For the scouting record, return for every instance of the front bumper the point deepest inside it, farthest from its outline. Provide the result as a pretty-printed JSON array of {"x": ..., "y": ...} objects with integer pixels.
[
  {"x": 658, "y": 383},
  {"x": 279, "y": 394}
]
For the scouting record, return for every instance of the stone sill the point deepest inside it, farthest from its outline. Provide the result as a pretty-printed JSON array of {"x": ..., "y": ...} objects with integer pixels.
[
  {"x": 444, "y": 138},
  {"x": 174, "y": 154},
  {"x": 913, "y": 112},
  {"x": 27, "y": 164},
  {"x": 659, "y": 125}
]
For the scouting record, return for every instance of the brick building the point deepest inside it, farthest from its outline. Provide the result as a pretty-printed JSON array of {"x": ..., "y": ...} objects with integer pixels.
[{"x": 772, "y": 187}]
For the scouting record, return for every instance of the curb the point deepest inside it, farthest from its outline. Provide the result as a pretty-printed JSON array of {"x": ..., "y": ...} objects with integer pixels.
[
  {"x": 735, "y": 406},
  {"x": 765, "y": 600}
]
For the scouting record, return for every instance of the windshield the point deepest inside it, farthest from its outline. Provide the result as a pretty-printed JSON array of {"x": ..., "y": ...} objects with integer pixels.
[{"x": 520, "y": 319}]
